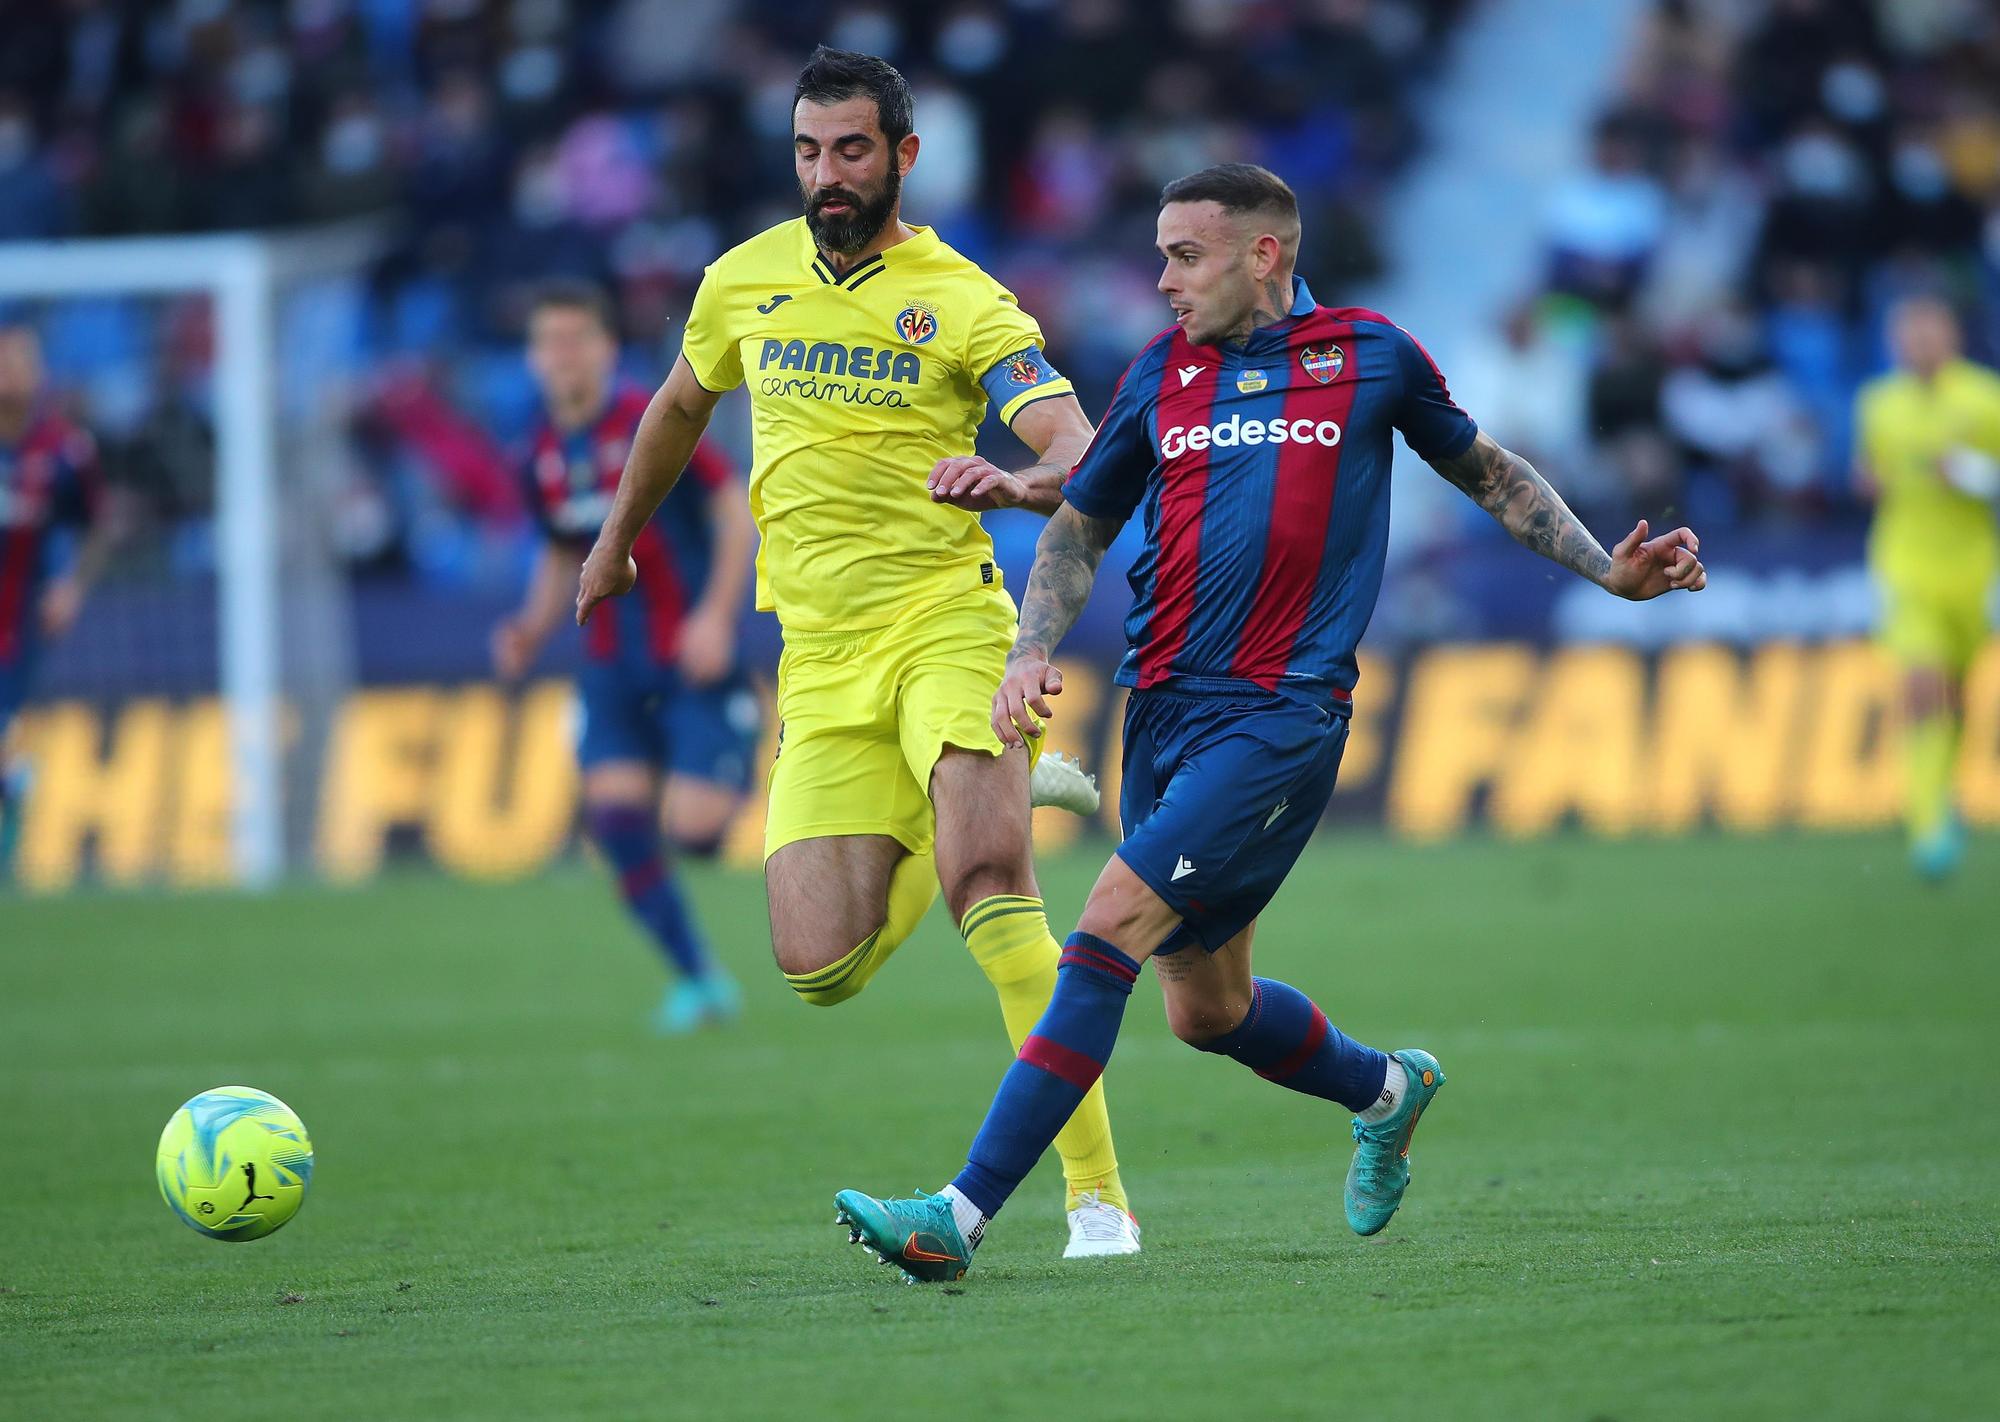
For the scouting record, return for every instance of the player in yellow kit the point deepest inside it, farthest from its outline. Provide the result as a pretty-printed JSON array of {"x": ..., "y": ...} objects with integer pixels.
[
  {"x": 1930, "y": 455},
  {"x": 871, "y": 350}
]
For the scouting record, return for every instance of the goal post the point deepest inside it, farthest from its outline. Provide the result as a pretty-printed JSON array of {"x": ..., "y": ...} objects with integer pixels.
[{"x": 268, "y": 488}]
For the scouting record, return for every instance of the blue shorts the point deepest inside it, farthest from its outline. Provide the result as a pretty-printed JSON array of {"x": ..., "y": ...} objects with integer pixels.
[
  {"x": 1221, "y": 792},
  {"x": 648, "y": 714},
  {"x": 13, "y": 692}
]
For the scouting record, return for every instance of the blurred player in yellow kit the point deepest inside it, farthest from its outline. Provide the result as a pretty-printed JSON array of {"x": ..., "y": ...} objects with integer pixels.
[
  {"x": 1929, "y": 446},
  {"x": 871, "y": 351}
]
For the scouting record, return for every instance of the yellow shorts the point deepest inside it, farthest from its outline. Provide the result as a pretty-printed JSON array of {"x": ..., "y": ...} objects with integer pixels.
[
  {"x": 863, "y": 717},
  {"x": 1934, "y": 627}
]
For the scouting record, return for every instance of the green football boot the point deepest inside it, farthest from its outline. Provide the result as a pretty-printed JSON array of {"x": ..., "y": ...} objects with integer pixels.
[
  {"x": 1380, "y": 1171},
  {"x": 918, "y": 1236}
]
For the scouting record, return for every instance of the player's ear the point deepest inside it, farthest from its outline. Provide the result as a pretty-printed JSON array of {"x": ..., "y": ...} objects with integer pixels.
[
  {"x": 1266, "y": 252},
  {"x": 906, "y": 155}
]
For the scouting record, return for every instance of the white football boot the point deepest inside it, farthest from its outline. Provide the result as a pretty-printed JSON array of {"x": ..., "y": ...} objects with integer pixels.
[
  {"x": 1098, "y": 1230},
  {"x": 1059, "y": 780}
]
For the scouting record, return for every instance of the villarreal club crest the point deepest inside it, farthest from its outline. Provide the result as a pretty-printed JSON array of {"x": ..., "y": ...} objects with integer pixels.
[
  {"x": 1322, "y": 363},
  {"x": 916, "y": 323}
]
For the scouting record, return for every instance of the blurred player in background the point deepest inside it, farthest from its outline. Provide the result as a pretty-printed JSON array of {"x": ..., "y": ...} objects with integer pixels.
[
  {"x": 48, "y": 482},
  {"x": 871, "y": 350},
  {"x": 669, "y": 724},
  {"x": 1255, "y": 435},
  {"x": 1929, "y": 443}
]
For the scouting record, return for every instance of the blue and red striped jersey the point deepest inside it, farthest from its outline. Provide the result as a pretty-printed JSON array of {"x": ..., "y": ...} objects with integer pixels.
[
  {"x": 571, "y": 478},
  {"x": 1263, "y": 473},
  {"x": 48, "y": 479}
]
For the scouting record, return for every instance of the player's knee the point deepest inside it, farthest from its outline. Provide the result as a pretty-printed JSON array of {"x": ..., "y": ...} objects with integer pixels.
[
  {"x": 821, "y": 980},
  {"x": 826, "y": 996},
  {"x": 698, "y": 844},
  {"x": 984, "y": 875},
  {"x": 1201, "y": 1024}
]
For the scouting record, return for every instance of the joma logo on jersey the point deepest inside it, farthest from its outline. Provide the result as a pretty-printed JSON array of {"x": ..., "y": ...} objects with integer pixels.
[
  {"x": 1236, "y": 430},
  {"x": 826, "y": 358}
]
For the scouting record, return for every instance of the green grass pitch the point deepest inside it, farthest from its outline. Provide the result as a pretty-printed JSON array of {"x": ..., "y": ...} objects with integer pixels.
[{"x": 1719, "y": 1142}]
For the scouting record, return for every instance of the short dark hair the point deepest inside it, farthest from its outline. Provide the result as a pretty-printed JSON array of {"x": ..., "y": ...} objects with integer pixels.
[
  {"x": 575, "y": 294},
  {"x": 1237, "y": 187},
  {"x": 835, "y": 74}
]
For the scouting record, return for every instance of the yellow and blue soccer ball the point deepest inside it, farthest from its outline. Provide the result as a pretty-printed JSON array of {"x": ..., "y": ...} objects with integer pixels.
[{"x": 234, "y": 1163}]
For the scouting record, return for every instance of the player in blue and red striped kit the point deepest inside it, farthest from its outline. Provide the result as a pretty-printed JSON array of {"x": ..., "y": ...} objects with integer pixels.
[
  {"x": 670, "y": 724},
  {"x": 48, "y": 481},
  {"x": 1253, "y": 438}
]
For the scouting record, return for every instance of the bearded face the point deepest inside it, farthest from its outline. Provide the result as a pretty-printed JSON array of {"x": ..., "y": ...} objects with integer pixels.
[{"x": 846, "y": 219}]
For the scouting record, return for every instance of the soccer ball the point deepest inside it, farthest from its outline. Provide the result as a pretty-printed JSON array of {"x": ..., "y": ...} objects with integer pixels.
[{"x": 234, "y": 1163}]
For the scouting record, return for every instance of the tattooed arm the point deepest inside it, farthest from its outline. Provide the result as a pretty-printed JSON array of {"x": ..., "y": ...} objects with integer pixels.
[
  {"x": 1066, "y": 560},
  {"x": 1507, "y": 486}
]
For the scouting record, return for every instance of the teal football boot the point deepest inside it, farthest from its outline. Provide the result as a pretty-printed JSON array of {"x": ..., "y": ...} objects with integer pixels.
[
  {"x": 918, "y": 1236},
  {"x": 1936, "y": 856},
  {"x": 713, "y": 999},
  {"x": 1380, "y": 1171},
  {"x": 13, "y": 795}
]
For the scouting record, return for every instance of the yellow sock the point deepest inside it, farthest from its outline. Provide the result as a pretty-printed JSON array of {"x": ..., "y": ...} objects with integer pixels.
[
  {"x": 912, "y": 887},
  {"x": 1930, "y": 754},
  {"x": 1010, "y": 940}
]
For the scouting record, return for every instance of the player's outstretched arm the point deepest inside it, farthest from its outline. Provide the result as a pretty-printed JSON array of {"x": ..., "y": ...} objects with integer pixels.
[
  {"x": 1507, "y": 486},
  {"x": 1056, "y": 429},
  {"x": 1066, "y": 560},
  {"x": 518, "y": 639},
  {"x": 665, "y": 441}
]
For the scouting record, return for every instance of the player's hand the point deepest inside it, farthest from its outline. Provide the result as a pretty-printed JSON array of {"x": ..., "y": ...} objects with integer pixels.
[
  {"x": 969, "y": 482},
  {"x": 607, "y": 572},
  {"x": 1023, "y": 697},
  {"x": 61, "y": 602},
  {"x": 514, "y": 648},
  {"x": 1643, "y": 567},
  {"x": 708, "y": 647}
]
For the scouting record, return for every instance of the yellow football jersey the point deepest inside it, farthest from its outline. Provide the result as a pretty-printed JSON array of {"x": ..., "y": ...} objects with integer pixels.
[
  {"x": 859, "y": 383},
  {"x": 1927, "y": 533}
]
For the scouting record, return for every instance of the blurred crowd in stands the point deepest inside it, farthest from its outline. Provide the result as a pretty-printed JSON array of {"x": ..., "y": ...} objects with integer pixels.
[
  {"x": 631, "y": 141},
  {"x": 1768, "y": 178},
  {"x": 1769, "y": 175}
]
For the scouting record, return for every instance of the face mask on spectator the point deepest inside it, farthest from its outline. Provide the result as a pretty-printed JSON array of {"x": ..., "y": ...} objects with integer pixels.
[
  {"x": 15, "y": 142},
  {"x": 1852, "y": 92},
  {"x": 353, "y": 144},
  {"x": 1819, "y": 165},
  {"x": 538, "y": 194},
  {"x": 1918, "y": 172}
]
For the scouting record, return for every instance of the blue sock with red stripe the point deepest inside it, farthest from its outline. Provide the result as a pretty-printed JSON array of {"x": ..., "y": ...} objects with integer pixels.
[
  {"x": 1058, "y": 1063},
  {"x": 1286, "y": 1038},
  {"x": 630, "y": 838}
]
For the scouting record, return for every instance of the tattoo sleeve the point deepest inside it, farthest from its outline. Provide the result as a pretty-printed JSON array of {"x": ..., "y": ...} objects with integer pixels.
[
  {"x": 1066, "y": 560},
  {"x": 1507, "y": 486}
]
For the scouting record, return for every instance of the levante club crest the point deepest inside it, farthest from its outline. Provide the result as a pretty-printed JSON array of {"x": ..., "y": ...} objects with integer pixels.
[
  {"x": 916, "y": 324},
  {"x": 1322, "y": 363}
]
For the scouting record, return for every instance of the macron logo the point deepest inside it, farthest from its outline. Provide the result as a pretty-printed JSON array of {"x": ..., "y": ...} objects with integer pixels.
[
  {"x": 1188, "y": 373},
  {"x": 1181, "y": 870}
]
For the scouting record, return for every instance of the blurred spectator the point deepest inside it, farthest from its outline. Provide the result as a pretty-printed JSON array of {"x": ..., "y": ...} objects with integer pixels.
[
  {"x": 1527, "y": 383},
  {"x": 1605, "y": 223},
  {"x": 31, "y": 204},
  {"x": 1768, "y": 178},
  {"x": 1738, "y": 425}
]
